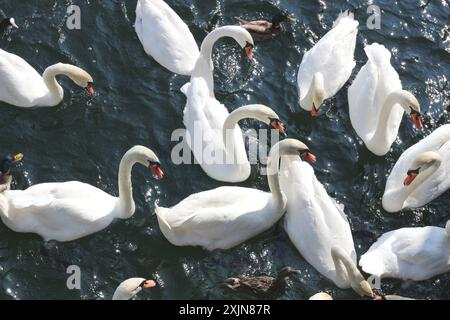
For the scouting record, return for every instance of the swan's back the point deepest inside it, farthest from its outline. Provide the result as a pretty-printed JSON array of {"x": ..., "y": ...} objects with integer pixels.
[
  {"x": 20, "y": 84},
  {"x": 368, "y": 93},
  {"x": 59, "y": 211},
  {"x": 437, "y": 184},
  {"x": 409, "y": 254},
  {"x": 314, "y": 221},
  {"x": 333, "y": 56},
  {"x": 165, "y": 36},
  {"x": 218, "y": 219}
]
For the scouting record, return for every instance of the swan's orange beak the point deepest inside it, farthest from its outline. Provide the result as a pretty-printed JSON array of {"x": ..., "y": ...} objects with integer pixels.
[
  {"x": 156, "y": 170},
  {"x": 310, "y": 157},
  {"x": 314, "y": 111},
  {"x": 410, "y": 179},
  {"x": 149, "y": 284},
  {"x": 278, "y": 126},
  {"x": 90, "y": 88},
  {"x": 249, "y": 51},
  {"x": 417, "y": 120}
]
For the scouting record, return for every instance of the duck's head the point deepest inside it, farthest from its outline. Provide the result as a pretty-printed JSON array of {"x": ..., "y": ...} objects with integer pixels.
[
  {"x": 7, "y": 23},
  {"x": 287, "y": 272},
  {"x": 281, "y": 17},
  {"x": 8, "y": 161}
]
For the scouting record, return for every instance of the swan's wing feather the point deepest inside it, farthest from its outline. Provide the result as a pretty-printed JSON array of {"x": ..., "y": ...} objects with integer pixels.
[
  {"x": 20, "y": 84},
  {"x": 333, "y": 56},
  {"x": 165, "y": 36}
]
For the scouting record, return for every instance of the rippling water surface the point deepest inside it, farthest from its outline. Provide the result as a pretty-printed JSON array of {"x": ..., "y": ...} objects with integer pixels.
[{"x": 139, "y": 102}]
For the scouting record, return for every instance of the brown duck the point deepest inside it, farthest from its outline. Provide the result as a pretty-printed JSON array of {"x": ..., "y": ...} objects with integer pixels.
[
  {"x": 5, "y": 170},
  {"x": 262, "y": 287},
  {"x": 262, "y": 30}
]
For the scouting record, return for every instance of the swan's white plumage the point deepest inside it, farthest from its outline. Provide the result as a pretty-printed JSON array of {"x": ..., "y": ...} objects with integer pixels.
[
  {"x": 58, "y": 211},
  {"x": 20, "y": 84},
  {"x": 409, "y": 254},
  {"x": 218, "y": 219},
  {"x": 128, "y": 289},
  {"x": 367, "y": 96},
  {"x": 394, "y": 196},
  {"x": 165, "y": 36},
  {"x": 333, "y": 56},
  {"x": 314, "y": 222},
  {"x": 206, "y": 116}
]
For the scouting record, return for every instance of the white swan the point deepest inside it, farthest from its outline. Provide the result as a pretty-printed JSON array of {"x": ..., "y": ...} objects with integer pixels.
[
  {"x": 317, "y": 225},
  {"x": 214, "y": 136},
  {"x": 421, "y": 174},
  {"x": 22, "y": 86},
  {"x": 165, "y": 36},
  {"x": 204, "y": 66},
  {"x": 227, "y": 216},
  {"x": 377, "y": 102},
  {"x": 72, "y": 210},
  {"x": 131, "y": 287},
  {"x": 409, "y": 254},
  {"x": 327, "y": 66},
  {"x": 321, "y": 296}
]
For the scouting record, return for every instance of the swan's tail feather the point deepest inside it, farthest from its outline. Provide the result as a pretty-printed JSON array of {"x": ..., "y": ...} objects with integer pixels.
[
  {"x": 184, "y": 89},
  {"x": 344, "y": 15},
  {"x": 160, "y": 214},
  {"x": 378, "y": 54}
]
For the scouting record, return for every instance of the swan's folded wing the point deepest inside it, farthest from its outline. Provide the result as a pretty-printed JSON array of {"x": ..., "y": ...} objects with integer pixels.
[{"x": 165, "y": 36}]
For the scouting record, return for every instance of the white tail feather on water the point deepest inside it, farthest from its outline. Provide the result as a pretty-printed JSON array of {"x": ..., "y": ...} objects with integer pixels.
[{"x": 344, "y": 15}]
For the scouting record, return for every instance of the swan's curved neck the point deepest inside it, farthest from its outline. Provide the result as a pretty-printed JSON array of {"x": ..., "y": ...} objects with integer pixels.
[
  {"x": 380, "y": 137},
  {"x": 345, "y": 267},
  {"x": 49, "y": 76},
  {"x": 317, "y": 86},
  {"x": 273, "y": 178},
  {"x": 229, "y": 126},
  {"x": 205, "y": 66},
  {"x": 126, "y": 206}
]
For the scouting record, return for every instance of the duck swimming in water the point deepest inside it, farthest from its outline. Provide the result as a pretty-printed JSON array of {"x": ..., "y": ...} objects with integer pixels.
[
  {"x": 5, "y": 170},
  {"x": 262, "y": 287},
  {"x": 263, "y": 30}
]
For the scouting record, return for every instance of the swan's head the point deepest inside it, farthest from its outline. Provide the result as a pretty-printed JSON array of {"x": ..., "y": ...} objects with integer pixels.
[
  {"x": 412, "y": 107},
  {"x": 318, "y": 93},
  {"x": 8, "y": 161},
  {"x": 245, "y": 40},
  {"x": 147, "y": 158},
  {"x": 131, "y": 287},
  {"x": 363, "y": 288},
  {"x": 77, "y": 75},
  {"x": 293, "y": 147},
  {"x": 264, "y": 114},
  {"x": 7, "y": 23},
  {"x": 421, "y": 164},
  {"x": 321, "y": 296}
]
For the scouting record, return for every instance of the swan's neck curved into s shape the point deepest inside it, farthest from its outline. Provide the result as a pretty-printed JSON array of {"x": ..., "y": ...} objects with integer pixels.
[
  {"x": 229, "y": 126},
  {"x": 380, "y": 137},
  {"x": 205, "y": 66},
  {"x": 49, "y": 76},
  {"x": 126, "y": 205}
]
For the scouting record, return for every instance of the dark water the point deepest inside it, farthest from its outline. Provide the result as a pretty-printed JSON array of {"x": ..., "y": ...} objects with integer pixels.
[{"x": 138, "y": 102}]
